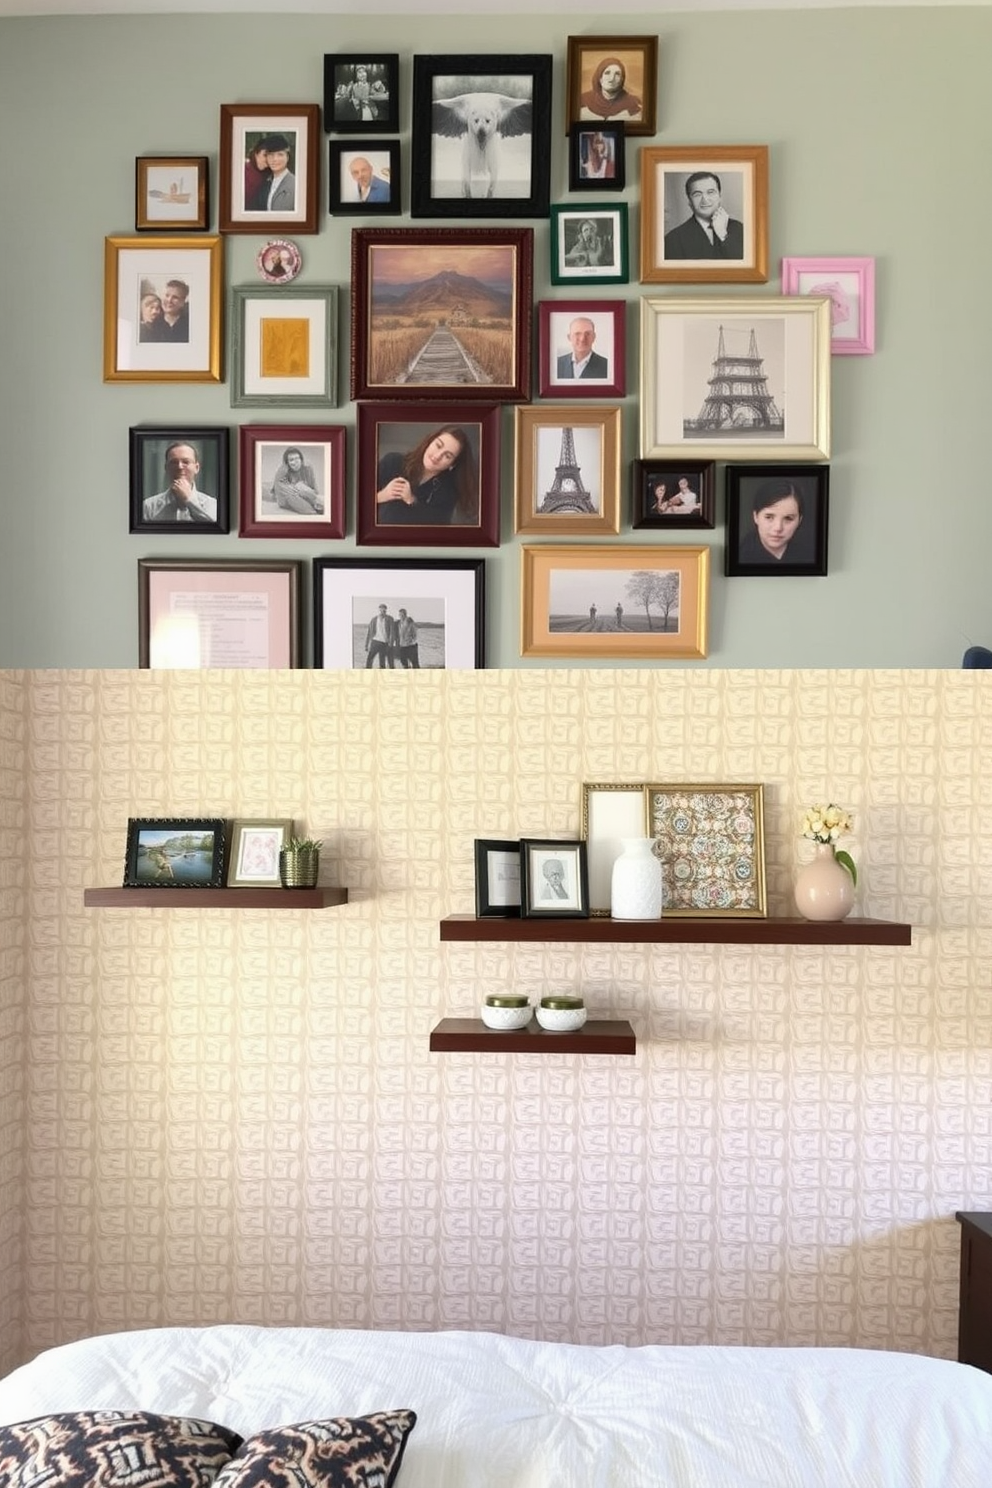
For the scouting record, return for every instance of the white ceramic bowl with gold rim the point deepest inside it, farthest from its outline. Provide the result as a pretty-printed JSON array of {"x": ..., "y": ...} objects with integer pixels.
[
  {"x": 506, "y": 1018},
  {"x": 561, "y": 1019}
]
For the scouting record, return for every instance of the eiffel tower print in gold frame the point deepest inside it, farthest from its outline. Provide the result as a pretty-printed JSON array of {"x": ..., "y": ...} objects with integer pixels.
[{"x": 567, "y": 470}]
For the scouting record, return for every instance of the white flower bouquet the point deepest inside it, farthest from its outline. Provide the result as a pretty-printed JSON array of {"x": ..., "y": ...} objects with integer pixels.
[{"x": 825, "y": 824}]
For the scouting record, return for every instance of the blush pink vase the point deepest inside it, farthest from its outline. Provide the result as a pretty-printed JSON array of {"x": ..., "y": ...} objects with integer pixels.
[{"x": 824, "y": 890}]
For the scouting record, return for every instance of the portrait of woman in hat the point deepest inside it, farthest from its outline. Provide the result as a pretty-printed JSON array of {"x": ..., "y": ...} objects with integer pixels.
[{"x": 276, "y": 190}]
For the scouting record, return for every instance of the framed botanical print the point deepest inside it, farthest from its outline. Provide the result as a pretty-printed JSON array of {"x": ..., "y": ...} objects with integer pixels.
[
  {"x": 704, "y": 214},
  {"x": 269, "y": 167},
  {"x": 292, "y": 480},
  {"x": 710, "y": 839},
  {"x": 567, "y": 470},
  {"x": 162, "y": 299},
  {"x": 777, "y": 520},
  {"x": 253, "y": 860},
  {"x": 361, "y": 92},
  {"x": 613, "y": 79},
  {"x": 171, "y": 193},
  {"x": 481, "y": 136},
  {"x": 849, "y": 284}
]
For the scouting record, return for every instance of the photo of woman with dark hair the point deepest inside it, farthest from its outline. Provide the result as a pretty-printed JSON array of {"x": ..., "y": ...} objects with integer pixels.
[
  {"x": 608, "y": 98},
  {"x": 436, "y": 483}
]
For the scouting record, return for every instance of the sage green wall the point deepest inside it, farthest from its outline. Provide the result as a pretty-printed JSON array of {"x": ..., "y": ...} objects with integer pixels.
[{"x": 880, "y": 135}]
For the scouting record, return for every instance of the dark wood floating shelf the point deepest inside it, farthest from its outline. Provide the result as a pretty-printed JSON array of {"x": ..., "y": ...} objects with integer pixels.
[
  {"x": 272, "y": 898},
  {"x": 672, "y": 930},
  {"x": 471, "y": 1036}
]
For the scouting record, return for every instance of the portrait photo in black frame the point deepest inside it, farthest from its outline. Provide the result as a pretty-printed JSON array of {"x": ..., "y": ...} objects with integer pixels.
[
  {"x": 497, "y": 878},
  {"x": 673, "y": 493},
  {"x": 777, "y": 520},
  {"x": 178, "y": 479},
  {"x": 184, "y": 852},
  {"x": 481, "y": 136},
  {"x": 554, "y": 879},
  {"x": 596, "y": 157},
  {"x": 361, "y": 92},
  {"x": 363, "y": 178}
]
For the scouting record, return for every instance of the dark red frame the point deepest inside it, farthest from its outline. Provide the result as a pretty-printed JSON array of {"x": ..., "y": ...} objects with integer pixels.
[
  {"x": 332, "y": 524},
  {"x": 437, "y": 239},
  {"x": 547, "y": 388},
  {"x": 486, "y": 533}
]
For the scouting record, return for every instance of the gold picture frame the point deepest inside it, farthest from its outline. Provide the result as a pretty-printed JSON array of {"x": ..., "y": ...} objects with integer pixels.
[
  {"x": 573, "y": 601},
  {"x": 735, "y": 379},
  {"x": 676, "y": 248},
  {"x": 567, "y": 469},
  {"x": 710, "y": 839},
  {"x": 609, "y": 814},
  {"x": 162, "y": 299}
]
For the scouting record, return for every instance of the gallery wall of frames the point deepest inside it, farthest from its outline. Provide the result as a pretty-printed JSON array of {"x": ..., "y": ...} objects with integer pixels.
[{"x": 446, "y": 346}]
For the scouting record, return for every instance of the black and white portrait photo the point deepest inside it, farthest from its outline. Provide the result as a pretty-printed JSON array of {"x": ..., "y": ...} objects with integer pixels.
[
  {"x": 398, "y": 632},
  {"x": 554, "y": 878},
  {"x": 360, "y": 93},
  {"x": 703, "y": 215},
  {"x": 589, "y": 243},
  {"x": 291, "y": 481}
]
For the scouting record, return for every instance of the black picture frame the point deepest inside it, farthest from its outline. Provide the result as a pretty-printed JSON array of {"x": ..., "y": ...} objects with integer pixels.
[
  {"x": 591, "y": 168},
  {"x": 378, "y": 111},
  {"x": 381, "y": 159},
  {"x": 540, "y": 883},
  {"x": 806, "y": 552},
  {"x": 488, "y": 905},
  {"x": 458, "y": 98},
  {"x": 158, "y": 846},
  {"x": 152, "y": 507},
  {"x": 450, "y": 592},
  {"x": 647, "y": 500}
]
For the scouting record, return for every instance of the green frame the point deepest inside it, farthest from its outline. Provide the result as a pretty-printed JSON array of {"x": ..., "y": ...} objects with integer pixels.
[
  {"x": 298, "y": 301},
  {"x": 570, "y": 215}
]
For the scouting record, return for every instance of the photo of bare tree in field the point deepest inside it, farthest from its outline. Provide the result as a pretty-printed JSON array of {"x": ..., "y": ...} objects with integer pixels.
[{"x": 639, "y": 601}]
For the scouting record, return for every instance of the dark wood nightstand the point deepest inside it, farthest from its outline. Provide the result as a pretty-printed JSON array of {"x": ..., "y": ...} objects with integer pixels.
[{"x": 975, "y": 1315}]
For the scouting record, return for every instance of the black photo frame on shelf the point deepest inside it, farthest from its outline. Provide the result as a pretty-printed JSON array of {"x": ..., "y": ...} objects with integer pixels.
[
  {"x": 554, "y": 879},
  {"x": 777, "y": 520},
  {"x": 178, "y": 480},
  {"x": 497, "y": 878},
  {"x": 361, "y": 92},
  {"x": 481, "y": 136},
  {"x": 181, "y": 852}
]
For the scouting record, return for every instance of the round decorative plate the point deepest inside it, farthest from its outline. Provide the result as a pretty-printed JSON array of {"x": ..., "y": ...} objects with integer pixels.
[{"x": 279, "y": 261}]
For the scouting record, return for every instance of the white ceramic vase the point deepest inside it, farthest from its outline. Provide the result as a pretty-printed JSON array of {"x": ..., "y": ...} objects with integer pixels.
[
  {"x": 824, "y": 890},
  {"x": 635, "y": 887}
]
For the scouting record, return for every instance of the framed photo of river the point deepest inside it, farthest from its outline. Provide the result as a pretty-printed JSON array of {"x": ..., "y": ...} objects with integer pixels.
[
  {"x": 441, "y": 313},
  {"x": 185, "y": 852}
]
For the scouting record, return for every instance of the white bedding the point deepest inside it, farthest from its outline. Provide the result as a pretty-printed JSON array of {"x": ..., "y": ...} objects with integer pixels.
[{"x": 498, "y": 1412}]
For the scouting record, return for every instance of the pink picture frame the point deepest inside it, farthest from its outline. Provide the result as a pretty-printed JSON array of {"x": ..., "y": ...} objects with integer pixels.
[{"x": 849, "y": 284}]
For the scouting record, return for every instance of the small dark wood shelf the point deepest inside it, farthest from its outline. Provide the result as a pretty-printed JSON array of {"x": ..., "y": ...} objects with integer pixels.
[
  {"x": 672, "y": 930},
  {"x": 471, "y": 1036},
  {"x": 271, "y": 898}
]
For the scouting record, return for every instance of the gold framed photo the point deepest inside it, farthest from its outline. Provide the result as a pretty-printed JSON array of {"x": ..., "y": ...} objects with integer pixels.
[
  {"x": 711, "y": 842},
  {"x": 704, "y": 214},
  {"x": 609, "y": 814},
  {"x": 618, "y": 601},
  {"x": 162, "y": 300},
  {"x": 567, "y": 470}
]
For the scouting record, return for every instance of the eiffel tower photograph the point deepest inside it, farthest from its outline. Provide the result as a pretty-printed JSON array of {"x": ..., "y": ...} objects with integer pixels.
[
  {"x": 739, "y": 401},
  {"x": 567, "y": 492}
]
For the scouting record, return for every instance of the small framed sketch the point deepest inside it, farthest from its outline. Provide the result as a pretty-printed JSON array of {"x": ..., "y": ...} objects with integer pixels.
[
  {"x": 582, "y": 351},
  {"x": 162, "y": 301},
  {"x": 269, "y": 167},
  {"x": 554, "y": 879},
  {"x": 613, "y": 78},
  {"x": 589, "y": 244},
  {"x": 363, "y": 178},
  {"x": 253, "y": 861},
  {"x": 292, "y": 480},
  {"x": 284, "y": 346},
  {"x": 497, "y": 878},
  {"x": 711, "y": 842},
  {"x": 596, "y": 157},
  {"x": 666, "y": 493},
  {"x": 567, "y": 470},
  {"x": 609, "y": 814},
  {"x": 704, "y": 214},
  {"x": 171, "y": 193},
  {"x": 185, "y": 852},
  {"x": 179, "y": 480},
  {"x": 361, "y": 92},
  {"x": 777, "y": 520},
  {"x": 849, "y": 284},
  {"x": 413, "y": 614}
]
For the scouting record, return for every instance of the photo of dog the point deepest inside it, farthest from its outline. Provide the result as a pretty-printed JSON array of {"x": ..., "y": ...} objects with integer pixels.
[{"x": 483, "y": 122}]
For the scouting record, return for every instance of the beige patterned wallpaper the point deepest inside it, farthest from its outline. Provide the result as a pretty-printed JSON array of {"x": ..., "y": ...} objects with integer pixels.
[{"x": 234, "y": 1115}]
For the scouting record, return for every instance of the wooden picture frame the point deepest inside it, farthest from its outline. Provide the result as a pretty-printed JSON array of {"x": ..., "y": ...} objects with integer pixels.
[
  {"x": 361, "y": 92},
  {"x": 567, "y": 470},
  {"x": 253, "y": 857},
  {"x": 849, "y": 284},
  {"x": 476, "y": 284},
  {"x": 252, "y": 198},
  {"x": 588, "y": 337},
  {"x": 435, "y": 467},
  {"x": 597, "y": 157},
  {"x": 711, "y": 843},
  {"x": 177, "y": 339},
  {"x": 444, "y": 597},
  {"x": 284, "y": 346},
  {"x": 673, "y": 493},
  {"x": 633, "y": 101},
  {"x": 589, "y": 243},
  {"x": 497, "y": 878},
  {"x": 481, "y": 135},
  {"x": 236, "y": 612},
  {"x": 777, "y": 520},
  {"x": 174, "y": 852},
  {"x": 171, "y": 193},
  {"x": 179, "y": 479},
  {"x": 704, "y": 214},
  {"x": 292, "y": 480},
  {"x": 570, "y": 596},
  {"x": 735, "y": 379},
  {"x": 554, "y": 879},
  {"x": 609, "y": 814},
  {"x": 363, "y": 178}
]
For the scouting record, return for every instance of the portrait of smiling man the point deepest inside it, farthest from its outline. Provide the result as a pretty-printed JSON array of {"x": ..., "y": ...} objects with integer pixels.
[{"x": 709, "y": 231}]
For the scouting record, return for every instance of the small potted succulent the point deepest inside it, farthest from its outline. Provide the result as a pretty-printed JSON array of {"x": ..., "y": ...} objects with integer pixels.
[{"x": 299, "y": 862}]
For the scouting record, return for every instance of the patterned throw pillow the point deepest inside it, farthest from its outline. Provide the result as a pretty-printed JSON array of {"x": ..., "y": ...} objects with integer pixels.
[
  {"x": 361, "y": 1452},
  {"x": 119, "y": 1449}
]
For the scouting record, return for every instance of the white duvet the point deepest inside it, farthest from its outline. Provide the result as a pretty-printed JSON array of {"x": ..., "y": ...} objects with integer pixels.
[{"x": 498, "y": 1412}]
